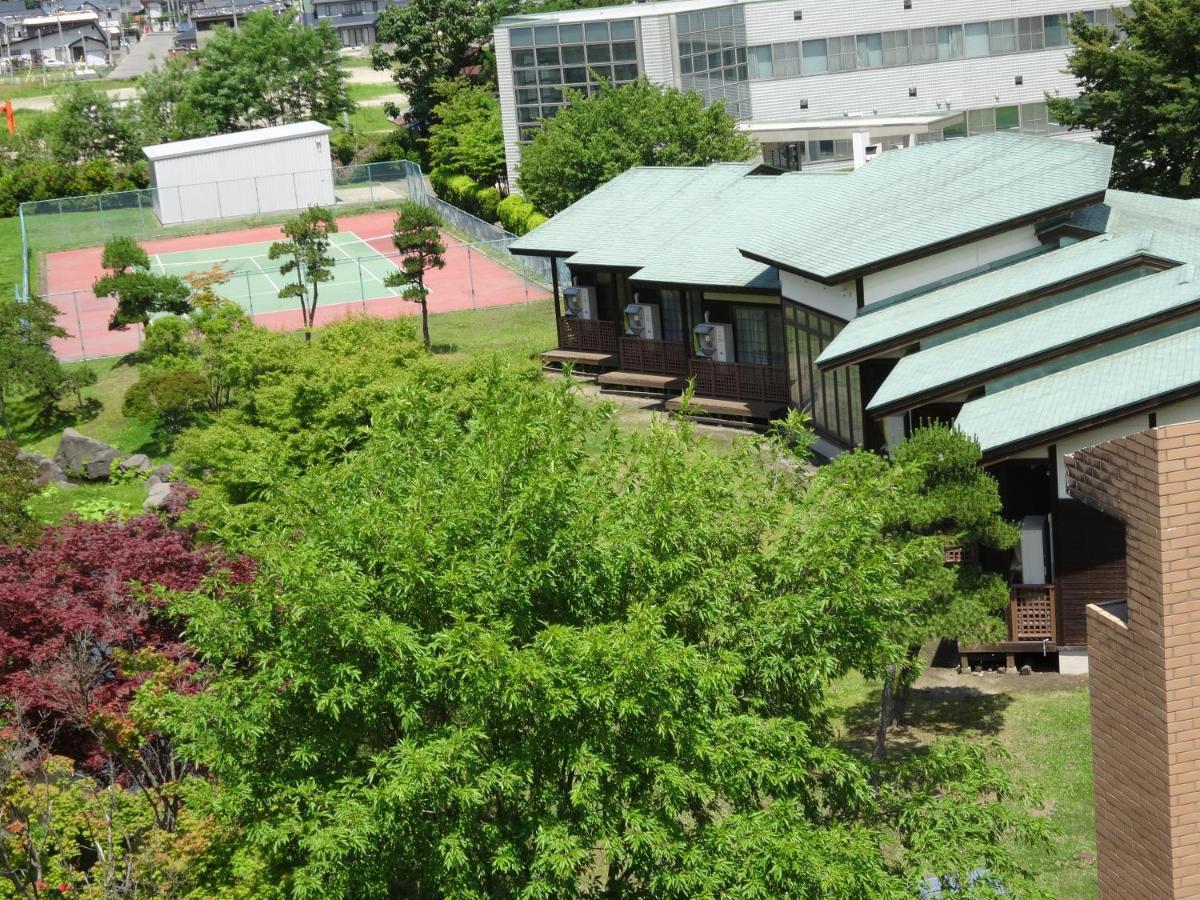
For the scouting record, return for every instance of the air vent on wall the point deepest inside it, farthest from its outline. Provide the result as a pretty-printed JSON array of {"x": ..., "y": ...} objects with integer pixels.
[
  {"x": 1020, "y": 80},
  {"x": 798, "y": 15},
  {"x": 912, "y": 92}
]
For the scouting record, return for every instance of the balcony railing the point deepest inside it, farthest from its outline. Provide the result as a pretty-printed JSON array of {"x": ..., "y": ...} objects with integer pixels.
[
  {"x": 739, "y": 381},
  {"x": 592, "y": 335},
  {"x": 656, "y": 357},
  {"x": 1033, "y": 613}
]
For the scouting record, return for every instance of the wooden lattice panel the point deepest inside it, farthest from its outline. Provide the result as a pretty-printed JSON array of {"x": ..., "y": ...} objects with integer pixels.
[
  {"x": 593, "y": 335},
  {"x": 657, "y": 357},
  {"x": 1032, "y": 611}
]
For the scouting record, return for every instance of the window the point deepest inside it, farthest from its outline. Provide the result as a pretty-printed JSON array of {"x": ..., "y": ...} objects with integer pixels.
[
  {"x": 1003, "y": 35},
  {"x": 1056, "y": 31},
  {"x": 976, "y": 42},
  {"x": 623, "y": 30},
  {"x": 1007, "y": 118},
  {"x": 1034, "y": 119},
  {"x": 1030, "y": 35},
  {"x": 923, "y": 45},
  {"x": 520, "y": 37},
  {"x": 787, "y": 59},
  {"x": 841, "y": 54},
  {"x": 570, "y": 34},
  {"x": 816, "y": 57},
  {"x": 713, "y": 60},
  {"x": 545, "y": 35},
  {"x": 949, "y": 42},
  {"x": 895, "y": 48},
  {"x": 870, "y": 51},
  {"x": 760, "y": 62},
  {"x": 833, "y": 398},
  {"x": 981, "y": 121},
  {"x": 547, "y": 56}
]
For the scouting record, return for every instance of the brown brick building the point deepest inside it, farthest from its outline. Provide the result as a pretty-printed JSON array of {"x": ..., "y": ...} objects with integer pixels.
[{"x": 1145, "y": 664}]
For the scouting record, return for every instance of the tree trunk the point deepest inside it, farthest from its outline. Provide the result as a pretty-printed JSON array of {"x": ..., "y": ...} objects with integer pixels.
[
  {"x": 904, "y": 690},
  {"x": 424, "y": 312},
  {"x": 887, "y": 711}
]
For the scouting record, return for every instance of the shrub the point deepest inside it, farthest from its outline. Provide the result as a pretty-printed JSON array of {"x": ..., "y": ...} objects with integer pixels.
[
  {"x": 518, "y": 215},
  {"x": 466, "y": 193},
  {"x": 171, "y": 399},
  {"x": 344, "y": 148},
  {"x": 16, "y": 487},
  {"x": 488, "y": 200}
]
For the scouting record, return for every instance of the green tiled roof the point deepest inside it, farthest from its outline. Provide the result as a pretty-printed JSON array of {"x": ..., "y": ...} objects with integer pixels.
[
  {"x": 903, "y": 201},
  {"x": 1040, "y": 334},
  {"x": 895, "y": 324},
  {"x": 1022, "y": 414}
]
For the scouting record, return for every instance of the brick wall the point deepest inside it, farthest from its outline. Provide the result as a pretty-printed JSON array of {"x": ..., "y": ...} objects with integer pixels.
[{"x": 1145, "y": 671}]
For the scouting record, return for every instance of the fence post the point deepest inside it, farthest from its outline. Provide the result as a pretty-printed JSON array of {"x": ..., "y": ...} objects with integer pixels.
[
  {"x": 295, "y": 193},
  {"x": 257, "y": 199},
  {"x": 141, "y": 212},
  {"x": 471, "y": 276},
  {"x": 62, "y": 228},
  {"x": 100, "y": 208},
  {"x": 362, "y": 290},
  {"x": 220, "y": 209},
  {"x": 371, "y": 184},
  {"x": 79, "y": 324},
  {"x": 249, "y": 296},
  {"x": 25, "y": 252}
]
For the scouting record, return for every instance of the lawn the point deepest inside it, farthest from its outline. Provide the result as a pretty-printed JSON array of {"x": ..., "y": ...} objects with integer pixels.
[
  {"x": 1042, "y": 723},
  {"x": 22, "y": 88},
  {"x": 10, "y": 255},
  {"x": 361, "y": 92},
  {"x": 519, "y": 331},
  {"x": 370, "y": 118}
]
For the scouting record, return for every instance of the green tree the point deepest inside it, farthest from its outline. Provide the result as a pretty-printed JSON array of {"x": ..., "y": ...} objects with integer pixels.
[
  {"x": 417, "y": 236},
  {"x": 75, "y": 379},
  {"x": 1141, "y": 94},
  {"x": 504, "y": 649},
  {"x": 16, "y": 487},
  {"x": 269, "y": 71},
  {"x": 140, "y": 293},
  {"x": 27, "y": 364},
  {"x": 86, "y": 125},
  {"x": 170, "y": 399},
  {"x": 467, "y": 137},
  {"x": 307, "y": 254},
  {"x": 163, "y": 110},
  {"x": 425, "y": 42},
  {"x": 595, "y": 139}
]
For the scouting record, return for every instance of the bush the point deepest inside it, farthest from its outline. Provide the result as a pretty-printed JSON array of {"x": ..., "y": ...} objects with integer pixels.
[
  {"x": 518, "y": 215},
  {"x": 171, "y": 399},
  {"x": 488, "y": 200},
  {"x": 44, "y": 180},
  {"x": 344, "y": 148}
]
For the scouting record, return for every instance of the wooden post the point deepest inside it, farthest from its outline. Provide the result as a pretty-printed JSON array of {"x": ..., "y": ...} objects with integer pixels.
[{"x": 554, "y": 285}]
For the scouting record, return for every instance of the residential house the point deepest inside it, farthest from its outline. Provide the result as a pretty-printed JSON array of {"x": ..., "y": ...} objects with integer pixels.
[
  {"x": 993, "y": 282},
  {"x": 806, "y": 79}
]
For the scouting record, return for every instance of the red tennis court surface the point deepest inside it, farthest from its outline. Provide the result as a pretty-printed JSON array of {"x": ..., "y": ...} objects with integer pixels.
[{"x": 470, "y": 280}]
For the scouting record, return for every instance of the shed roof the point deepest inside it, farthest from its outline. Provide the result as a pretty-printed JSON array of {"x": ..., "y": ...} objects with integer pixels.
[
  {"x": 1038, "y": 410},
  {"x": 903, "y": 202},
  {"x": 177, "y": 149}
]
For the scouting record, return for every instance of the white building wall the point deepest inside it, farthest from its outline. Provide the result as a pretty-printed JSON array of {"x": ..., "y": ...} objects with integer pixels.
[
  {"x": 838, "y": 300},
  {"x": 1089, "y": 438},
  {"x": 291, "y": 173},
  {"x": 928, "y": 269},
  {"x": 659, "y": 56},
  {"x": 508, "y": 111},
  {"x": 1181, "y": 411}
]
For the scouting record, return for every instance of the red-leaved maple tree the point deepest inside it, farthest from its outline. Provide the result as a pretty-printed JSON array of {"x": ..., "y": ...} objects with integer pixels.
[{"x": 82, "y": 628}]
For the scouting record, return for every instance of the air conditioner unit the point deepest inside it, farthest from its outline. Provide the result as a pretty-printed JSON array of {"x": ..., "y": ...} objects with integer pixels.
[
  {"x": 713, "y": 340},
  {"x": 1033, "y": 552},
  {"x": 580, "y": 302},
  {"x": 643, "y": 320}
]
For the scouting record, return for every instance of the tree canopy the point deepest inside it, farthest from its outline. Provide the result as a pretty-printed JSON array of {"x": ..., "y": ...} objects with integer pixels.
[
  {"x": 595, "y": 139},
  {"x": 27, "y": 364},
  {"x": 1141, "y": 94},
  {"x": 467, "y": 137},
  {"x": 417, "y": 237},
  {"x": 503, "y": 648},
  {"x": 139, "y": 292},
  {"x": 305, "y": 252}
]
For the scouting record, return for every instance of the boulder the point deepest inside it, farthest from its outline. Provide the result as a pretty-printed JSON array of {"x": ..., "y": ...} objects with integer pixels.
[
  {"x": 160, "y": 475},
  {"x": 47, "y": 469},
  {"x": 157, "y": 495},
  {"x": 83, "y": 457},
  {"x": 139, "y": 462}
]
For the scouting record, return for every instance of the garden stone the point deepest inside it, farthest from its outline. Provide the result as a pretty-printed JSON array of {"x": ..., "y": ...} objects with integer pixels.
[
  {"x": 160, "y": 475},
  {"x": 139, "y": 461},
  {"x": 159, "y": 492},
  {"x": 47, "y": 469},
  {"x": 85, "y": 457}
]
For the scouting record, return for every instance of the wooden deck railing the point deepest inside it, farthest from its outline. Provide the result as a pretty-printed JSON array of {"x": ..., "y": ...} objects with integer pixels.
[
  {"x": 592, "y": 335},
  {"x": 739, "y": 381},
  {"x": 655, "y": 357},
  {"x": 1033, "y": 613}
]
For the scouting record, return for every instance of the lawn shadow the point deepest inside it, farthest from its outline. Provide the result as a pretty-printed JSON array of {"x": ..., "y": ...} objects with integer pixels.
[
  {"x": 440, "y": 349},
  {"x": 934, "y": 713}
]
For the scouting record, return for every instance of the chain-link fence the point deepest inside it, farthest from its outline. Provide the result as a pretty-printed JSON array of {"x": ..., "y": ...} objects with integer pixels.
[{"x": 72, "y": 222}]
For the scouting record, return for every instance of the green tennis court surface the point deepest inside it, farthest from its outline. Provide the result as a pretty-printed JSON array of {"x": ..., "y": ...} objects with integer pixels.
[{"x": 359, "y": 271}]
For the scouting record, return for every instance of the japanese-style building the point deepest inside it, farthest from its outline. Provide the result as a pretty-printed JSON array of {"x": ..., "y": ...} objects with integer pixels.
[{"x": 993, "y": 282}]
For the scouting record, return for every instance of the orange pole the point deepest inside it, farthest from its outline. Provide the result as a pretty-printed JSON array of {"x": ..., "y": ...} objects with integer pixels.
[{"x": 10, "y": 119}]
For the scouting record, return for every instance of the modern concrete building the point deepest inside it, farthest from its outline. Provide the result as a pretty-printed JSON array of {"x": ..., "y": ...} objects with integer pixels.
[
  {"x": 804, "y": 76},
  {"x": 1145, "y": 672},
  {"x": 993, "y": 282}
]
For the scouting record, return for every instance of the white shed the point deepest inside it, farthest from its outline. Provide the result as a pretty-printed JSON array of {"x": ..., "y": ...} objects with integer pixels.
[{"x": 243, "y": 174}]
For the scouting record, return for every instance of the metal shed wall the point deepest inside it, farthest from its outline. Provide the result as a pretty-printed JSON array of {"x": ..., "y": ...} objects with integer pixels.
[{"x": 293, "y": 172}]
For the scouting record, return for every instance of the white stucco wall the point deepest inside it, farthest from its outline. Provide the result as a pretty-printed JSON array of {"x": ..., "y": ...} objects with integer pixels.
[{"x": 836, "y": 300}]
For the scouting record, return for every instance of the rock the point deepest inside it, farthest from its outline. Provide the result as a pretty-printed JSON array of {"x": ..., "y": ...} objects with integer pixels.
[
  {"x": 1026, "y": 670},
  {"x": 47, "y": 469},
  {"x": 158, "y": 495},
  {"x": 161, "y": 474},
  {"x": 85, "y": 457},
  {"x": 139, "y": 461}
]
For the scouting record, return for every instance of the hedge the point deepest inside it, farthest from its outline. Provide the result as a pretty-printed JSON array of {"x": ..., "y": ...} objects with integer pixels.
[
  {"x": 52, "y": 181},
  {"x": 518, "y": 215}
]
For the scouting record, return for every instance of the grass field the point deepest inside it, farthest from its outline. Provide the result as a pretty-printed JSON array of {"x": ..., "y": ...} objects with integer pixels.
[
  {"x": 10, "y": 256},
  {"x": 1042, "y": 723},
  {"x": 24, "y": 87},
  {"x": 360, "y": 92},
  {"x": 370, "y": 118}
]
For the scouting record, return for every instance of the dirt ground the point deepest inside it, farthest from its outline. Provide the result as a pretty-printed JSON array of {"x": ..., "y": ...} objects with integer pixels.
[{"x": 948, "y": 679}]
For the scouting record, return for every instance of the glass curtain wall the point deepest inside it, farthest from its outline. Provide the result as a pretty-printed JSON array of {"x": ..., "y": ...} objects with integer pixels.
[
  {"x": 833, "y": 398},
  {"x": 712, "y": 57}
]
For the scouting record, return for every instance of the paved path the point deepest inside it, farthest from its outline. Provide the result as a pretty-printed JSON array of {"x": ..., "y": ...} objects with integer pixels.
[
  {"x": 143, "y": 56},
  {"x": 46, "y": 101}
]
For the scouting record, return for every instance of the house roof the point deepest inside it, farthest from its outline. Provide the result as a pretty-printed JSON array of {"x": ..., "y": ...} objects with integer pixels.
[
  {"x": 175, "y": 149},
  {"x": 70, "y": 36},
  {"x": 902, "y": 203},
  {"x": 892, "y": 325},
  {"x": 1040, "y": 410},
  {"x": 970, "y": 360}
]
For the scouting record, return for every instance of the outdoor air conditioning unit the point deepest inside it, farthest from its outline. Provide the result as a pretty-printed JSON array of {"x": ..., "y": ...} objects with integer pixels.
[
  {"x": 643, "y": 320},
  {"x": 713, "y": 340},
  {"x": 580, "y": 302},
  {"x": 1033, "y": 553}
]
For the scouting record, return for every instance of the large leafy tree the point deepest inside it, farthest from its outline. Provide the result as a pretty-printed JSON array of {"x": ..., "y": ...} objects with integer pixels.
[
  {"x": 27, "y": 364},
  {"x": 504, "y": 649},
  {"x": 595, "y": 139},
  {"x": 467, "y": 137},
  {"x": 269, "y": 71},
  {"x": 417, "y": 237},
  {"x": 86, "y": 125},
  {"x": 1141, "y": 93},
  {"x": 425, "y": 42},
  {"x": 306, "y": 256}
]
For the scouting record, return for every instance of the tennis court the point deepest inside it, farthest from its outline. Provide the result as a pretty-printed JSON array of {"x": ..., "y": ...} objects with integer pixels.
[
  {"x": 359, "y": 272},
  {"x": 475, "y": 277}
]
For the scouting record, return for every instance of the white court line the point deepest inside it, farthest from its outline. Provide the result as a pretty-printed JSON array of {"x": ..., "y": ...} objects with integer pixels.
[
  {"x": 338, "y": 247},
  {"x": 264, "y": 271},
  {"x": 161, "y": 268}
]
